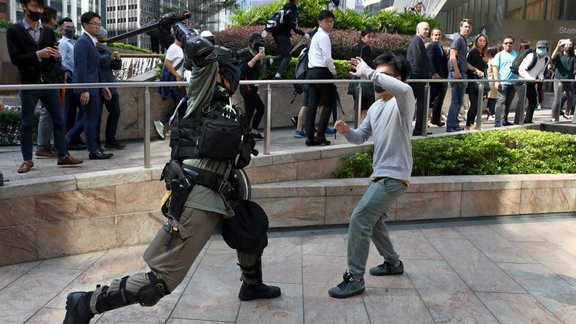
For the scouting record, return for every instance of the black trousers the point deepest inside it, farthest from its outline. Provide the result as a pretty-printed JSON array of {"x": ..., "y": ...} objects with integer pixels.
[
  {"x": 325, "y": 93},
  {"x": 253, "y": 107}
]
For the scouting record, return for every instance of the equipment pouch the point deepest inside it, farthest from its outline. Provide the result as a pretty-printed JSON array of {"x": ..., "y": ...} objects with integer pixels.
[{"x": 221, "y": 139}]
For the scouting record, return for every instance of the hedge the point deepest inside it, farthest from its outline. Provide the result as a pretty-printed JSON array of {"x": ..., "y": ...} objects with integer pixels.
[{"x": 10, "y": 127}]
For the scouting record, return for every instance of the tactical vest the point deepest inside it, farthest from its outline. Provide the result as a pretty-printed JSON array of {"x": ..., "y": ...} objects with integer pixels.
[{"x": 221, "y": 134}]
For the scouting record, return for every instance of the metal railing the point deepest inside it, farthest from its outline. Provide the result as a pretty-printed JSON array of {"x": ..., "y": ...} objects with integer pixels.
[{"x": 268, "y": 89}]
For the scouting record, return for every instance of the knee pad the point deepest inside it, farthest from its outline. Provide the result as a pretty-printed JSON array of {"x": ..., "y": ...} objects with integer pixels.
[{"x": 150, "y": 294}]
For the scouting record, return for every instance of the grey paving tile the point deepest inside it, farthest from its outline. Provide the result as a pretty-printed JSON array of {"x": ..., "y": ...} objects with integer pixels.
[
  {"x": 495, "y": 246},
  {"x": 335, "y": 245},
  {"x": 47, "y": 316},
  {"x": 78, "y": 262},
  {"x": 323, "y": 270},
  {"x": 396, "y": 306},
  {"x": 319, "y": 307},
  {"x": 114, "y": 264},
  {"x": 21, "y": 299},
  {"x": 10, "y": 273},
  {"x": 546, "y": 252},
  {"x": 557, "y": 234},
  {"x": 474, "y": 267},
  {"x": 517, "y": 308},
  {"x": 516, "y": 232},
  {"x": 212, "y": 293},
  {"x": 455, "y": 307},
  {"x": 284, "y": 309},
  {"x": 282, "y": 260},
  {"x": 441, "y": 232},
  {"x": 412, "y": 244},
  {"x": 434, "y": 275},
  {"x": 555, "y": 294}
]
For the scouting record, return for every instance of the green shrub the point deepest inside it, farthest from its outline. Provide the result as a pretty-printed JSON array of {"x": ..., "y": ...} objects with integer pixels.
[
  {"x": 10, "y": 127},
  {"x": 482, "y": 153},
  {"x": 343, "y": 41},
  {"x": 390, "y": 22}
]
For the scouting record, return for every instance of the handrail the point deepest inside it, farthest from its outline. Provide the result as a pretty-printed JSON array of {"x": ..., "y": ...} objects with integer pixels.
[{"x": 268, "y": 83}]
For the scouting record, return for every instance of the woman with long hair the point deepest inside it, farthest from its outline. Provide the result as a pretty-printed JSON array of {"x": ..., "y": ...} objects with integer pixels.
[
  {"x": 364, "y": 51},
  {"x": 478, "y": 62}
]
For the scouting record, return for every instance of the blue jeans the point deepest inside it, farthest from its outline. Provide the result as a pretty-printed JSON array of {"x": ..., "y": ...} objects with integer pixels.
[
  {"x": 51, "y": 100},
  {"x": 45, "y": 129},
  {"x": 458, "y": 90},
  {"x": 367, "y": 222},
  {"x": 113, "y": 108}
]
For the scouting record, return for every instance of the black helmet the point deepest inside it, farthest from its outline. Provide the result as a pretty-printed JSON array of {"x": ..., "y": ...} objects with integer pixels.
[
  {"x": 229, "y": 78},
  {"x": 199, "y": 51}
]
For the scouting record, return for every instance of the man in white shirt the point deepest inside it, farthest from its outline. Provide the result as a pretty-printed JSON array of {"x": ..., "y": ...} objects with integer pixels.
[
  {"x": 532, "y": 68},
  {"x": 174, "y": 63},
  {"x": 320, "y": 67}
]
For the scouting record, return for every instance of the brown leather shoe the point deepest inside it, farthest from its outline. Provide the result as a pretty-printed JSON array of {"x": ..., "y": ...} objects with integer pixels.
[
  {"x": 25, "y": 166},
  {"x": 69, "y": 160},
  {"x": 47, "y": 153},
  {"x": 438, "y": 123}
]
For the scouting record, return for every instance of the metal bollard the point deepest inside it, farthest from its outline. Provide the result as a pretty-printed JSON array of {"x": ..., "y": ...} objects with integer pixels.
[
  {"x": 147, "y": 121},
  {"x": 358, "y": 106},
  {"x": 522, "y": 105},
  {"x": 557, "y": 101},
  {"x": 267, "y": 130}
]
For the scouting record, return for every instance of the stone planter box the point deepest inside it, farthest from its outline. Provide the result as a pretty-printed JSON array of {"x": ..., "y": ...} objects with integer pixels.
[{"x": 63, "y": 215}]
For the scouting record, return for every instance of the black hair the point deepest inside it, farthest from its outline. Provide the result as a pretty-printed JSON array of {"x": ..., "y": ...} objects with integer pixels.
[
  {"x": 87, "y": 16},
  {"x": 39, "y": 2},
  {"x": 63, "y": 20},
  {"x": 511, "y": 37},
  {"x": 397, "y": 62},
  {"x": 325, "y": 14},
  {"x": 49, "y": 14},
  {"x": 367, "y": 31},
  {"x": 492, "y": 50}
]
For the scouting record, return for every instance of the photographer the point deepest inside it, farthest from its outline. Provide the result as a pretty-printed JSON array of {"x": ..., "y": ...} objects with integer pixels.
[
  {"x": 250, "y": 70},
  {"x": 32, "y": 49},
  {"x": 196, "y": 207}
]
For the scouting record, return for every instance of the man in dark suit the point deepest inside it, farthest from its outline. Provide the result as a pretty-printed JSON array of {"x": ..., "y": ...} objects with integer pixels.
[
  {"x": 439, "y": 69},
  {"x": 32, "y": 49},
  {"x": 87, "y": 70},
  {"x": 418, "y": 58}
]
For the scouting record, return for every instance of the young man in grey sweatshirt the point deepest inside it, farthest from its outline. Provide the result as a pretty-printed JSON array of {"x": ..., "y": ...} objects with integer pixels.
[{"x": 389, "y": 122}]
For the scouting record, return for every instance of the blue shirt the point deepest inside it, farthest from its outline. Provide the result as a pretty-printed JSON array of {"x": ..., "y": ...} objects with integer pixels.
[
  {"x": 459, "y": 44},
  {"x": 503, "y": 60}
]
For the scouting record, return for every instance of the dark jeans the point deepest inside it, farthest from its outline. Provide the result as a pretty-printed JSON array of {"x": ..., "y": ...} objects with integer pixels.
[
  {"x": 325, "y": 93},
  {"x": 51, "y": 101},
  {"x": 437, "y": 95},
  {"x": 72, "y": 113},
  {"x": 284, "y": 46},
  {"x": 113, "y": 108},
  {"x": 506, "y": 94},
  {"x": 418, "y": 89},
  {"x": 458, "y": 90},
  {"x": 254, "y": 108}
]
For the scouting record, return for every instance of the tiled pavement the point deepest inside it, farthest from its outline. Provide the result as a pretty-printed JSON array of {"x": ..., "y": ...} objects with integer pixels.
[
  {"x": 511, "y": 270},
  {"x": 488, "y": 271}
]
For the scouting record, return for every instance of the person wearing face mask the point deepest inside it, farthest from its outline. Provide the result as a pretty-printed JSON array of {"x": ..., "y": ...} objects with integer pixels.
[
  {"x": 250, "y": 70},
  {"x": 31, "y": 48},
  {"x": 72, "y": 111},
  {"x": 564, "y": 67},
  {"x": 532, "y": 70},
  {"x": 109, "y": 61}
]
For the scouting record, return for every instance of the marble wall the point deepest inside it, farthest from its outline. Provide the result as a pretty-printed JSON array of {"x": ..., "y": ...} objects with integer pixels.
[{"x": 72, "y": 214}]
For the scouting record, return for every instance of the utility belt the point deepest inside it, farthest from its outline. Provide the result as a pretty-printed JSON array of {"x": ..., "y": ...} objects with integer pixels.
[{"x": 180, "y": 179}]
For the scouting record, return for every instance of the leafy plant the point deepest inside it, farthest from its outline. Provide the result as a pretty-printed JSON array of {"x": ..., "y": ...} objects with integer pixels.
[
  {"x": 10, "y": 127},
  {"x": 483, "y": 153}
]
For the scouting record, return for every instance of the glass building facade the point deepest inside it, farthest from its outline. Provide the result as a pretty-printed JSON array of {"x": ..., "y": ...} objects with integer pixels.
[{"x": 529, "y": 20}]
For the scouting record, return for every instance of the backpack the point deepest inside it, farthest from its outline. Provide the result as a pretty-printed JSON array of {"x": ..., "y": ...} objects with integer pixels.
[
  {"x": 518, "y": 60},
  {"x": 247, "y": 230},
  {"x": 301, "y": 69},
  {"x": 166, "y": 76},
  {"x": 276, "y": 21}
]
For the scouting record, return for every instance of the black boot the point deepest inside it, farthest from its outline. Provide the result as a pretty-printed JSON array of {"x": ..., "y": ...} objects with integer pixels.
[
  {"x": 78, "y": 308},
  {"x": 252, "y": 286}
]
